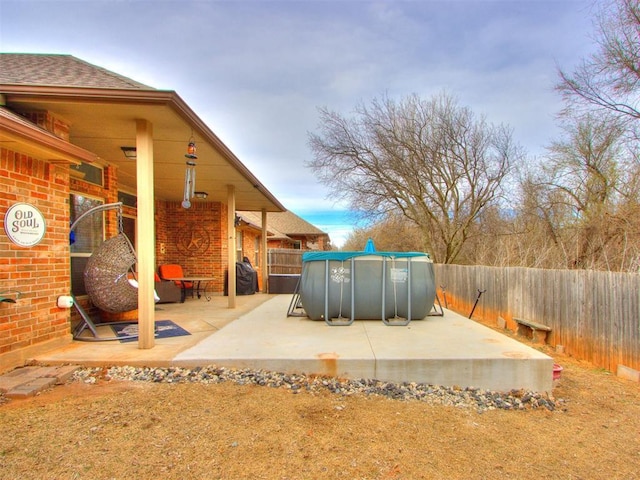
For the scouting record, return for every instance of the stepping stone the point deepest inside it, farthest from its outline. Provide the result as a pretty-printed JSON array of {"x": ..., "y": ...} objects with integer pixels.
[{"x": 30, "y": 388}]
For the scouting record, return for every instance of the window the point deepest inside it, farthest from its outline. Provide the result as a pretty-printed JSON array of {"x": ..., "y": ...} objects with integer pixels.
[
  {"x": 88, "y": 235},
  {"x": 256, "y": 259},
  {"x": 239, "y": 240},
  {"x": 128, "y": 199},
  {"x": 129, "y": 229},
  {"x": 88, "y": 173}
]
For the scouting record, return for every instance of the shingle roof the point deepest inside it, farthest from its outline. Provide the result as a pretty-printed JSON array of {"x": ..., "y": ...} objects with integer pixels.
[
  {"x": 287, "y": 223},
  {"x": 61, "y": 71}
]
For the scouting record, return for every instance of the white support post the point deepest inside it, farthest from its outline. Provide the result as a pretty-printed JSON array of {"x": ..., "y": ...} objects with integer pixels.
[
  {"x": 263, "y": 250},
  {"x": 145, "y": 234},
  {"x": 231, "y": 248}
]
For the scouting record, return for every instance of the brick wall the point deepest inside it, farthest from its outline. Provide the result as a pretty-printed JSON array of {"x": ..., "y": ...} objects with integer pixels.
[
  {"x": 50, "y": 122},
  {"x": 41, "y": 272},
  {"x": 195, "y": 238}
]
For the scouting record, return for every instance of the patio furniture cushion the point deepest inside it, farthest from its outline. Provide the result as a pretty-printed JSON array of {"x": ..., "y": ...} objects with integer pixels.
[
  {"x": 168, "y": 291},
  {"x": 171, "y": 270}
]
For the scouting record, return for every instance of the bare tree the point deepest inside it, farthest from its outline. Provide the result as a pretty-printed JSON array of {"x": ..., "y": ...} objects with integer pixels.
[
  {"x": 579, "y": 190},
  {"x": 394, "y": 233},
  {"x": 584, "y": 164},
  {"x": 433, "y": 161},
  {"x": 540, "y": 223},
  {"x": 606, "y": 201},
  {"x": 610, "y": 78}
]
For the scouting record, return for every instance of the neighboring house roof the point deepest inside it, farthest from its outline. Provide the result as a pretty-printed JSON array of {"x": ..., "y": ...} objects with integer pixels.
[
  {"x": 60, "y": 70},
  {"x": 282, "y": 224}
]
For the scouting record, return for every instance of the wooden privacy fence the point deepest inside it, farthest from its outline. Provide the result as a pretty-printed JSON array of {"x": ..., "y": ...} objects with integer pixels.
[
  {"x": 283, "y": 261},
  {"x": 595, "y": 316}
]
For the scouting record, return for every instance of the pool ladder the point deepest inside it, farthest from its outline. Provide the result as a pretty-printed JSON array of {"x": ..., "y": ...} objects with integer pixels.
[{"x": 346, "y": 321}]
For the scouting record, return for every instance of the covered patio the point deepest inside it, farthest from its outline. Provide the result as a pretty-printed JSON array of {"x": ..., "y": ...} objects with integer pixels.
[{"x": 184, "y": 184}]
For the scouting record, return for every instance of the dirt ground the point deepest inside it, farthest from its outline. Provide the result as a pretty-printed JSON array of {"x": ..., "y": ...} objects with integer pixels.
[{"x": 121, "y": 430}]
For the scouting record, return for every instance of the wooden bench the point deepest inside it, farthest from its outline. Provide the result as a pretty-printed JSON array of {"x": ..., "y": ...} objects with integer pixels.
[{"x": 534, "y": 330}]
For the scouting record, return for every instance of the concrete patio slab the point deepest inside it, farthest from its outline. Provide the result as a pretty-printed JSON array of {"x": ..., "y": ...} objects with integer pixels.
[
  {"x": 449, "y": 350},
  {"x": 266, "y": 338}
]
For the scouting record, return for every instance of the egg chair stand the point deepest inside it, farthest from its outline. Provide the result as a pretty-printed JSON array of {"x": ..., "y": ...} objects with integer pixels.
[
  {"x": 106, "y": 279},
  {"x": 88, "y": 324}
]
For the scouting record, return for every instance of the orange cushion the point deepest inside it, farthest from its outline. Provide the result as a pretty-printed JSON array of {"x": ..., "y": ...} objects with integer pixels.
[{"x": 173, "y": 271}]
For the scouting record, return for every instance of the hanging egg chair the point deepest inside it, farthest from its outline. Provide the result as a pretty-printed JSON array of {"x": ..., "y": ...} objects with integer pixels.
[
  {"x": 106, "y": 276},
  {"x": 106, "y": 279}
]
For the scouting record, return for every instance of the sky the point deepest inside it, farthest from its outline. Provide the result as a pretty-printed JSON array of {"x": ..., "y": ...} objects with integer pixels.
[{"x": 256, "y": 72}]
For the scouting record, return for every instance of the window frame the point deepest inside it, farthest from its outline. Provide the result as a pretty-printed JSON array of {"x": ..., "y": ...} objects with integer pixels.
[{"x": 80, "y": 291}]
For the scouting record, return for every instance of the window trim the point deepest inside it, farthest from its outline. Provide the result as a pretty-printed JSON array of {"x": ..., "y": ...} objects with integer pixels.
[{"x": 84, "y": 254}]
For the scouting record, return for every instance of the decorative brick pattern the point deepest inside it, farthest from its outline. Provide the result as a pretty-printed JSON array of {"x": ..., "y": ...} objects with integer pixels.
[{"x": 203, "y": 224}]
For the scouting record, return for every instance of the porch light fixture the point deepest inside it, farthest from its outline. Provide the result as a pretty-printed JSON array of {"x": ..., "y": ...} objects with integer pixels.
[
  {"x": 130, "y": 153},
  {"x": 201, "y": 195},
  {"x": 190, "y": 174}
]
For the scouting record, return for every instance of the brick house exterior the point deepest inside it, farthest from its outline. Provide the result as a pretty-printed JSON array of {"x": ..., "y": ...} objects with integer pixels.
[
  {"x": 288, "y": 230},
  {"x": 59, "y": 114}
]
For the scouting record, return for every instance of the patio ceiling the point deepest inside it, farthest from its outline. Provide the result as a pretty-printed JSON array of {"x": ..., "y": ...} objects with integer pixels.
[{"x": 104, "y": 120}]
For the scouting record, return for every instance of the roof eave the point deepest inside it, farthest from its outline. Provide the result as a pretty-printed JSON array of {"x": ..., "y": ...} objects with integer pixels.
[
  {"x": 57, "y": 148},
  {"x": 168, "y": 98}
]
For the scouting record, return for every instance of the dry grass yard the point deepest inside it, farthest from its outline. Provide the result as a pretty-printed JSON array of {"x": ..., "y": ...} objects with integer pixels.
[{"x": 121, "y": 430}]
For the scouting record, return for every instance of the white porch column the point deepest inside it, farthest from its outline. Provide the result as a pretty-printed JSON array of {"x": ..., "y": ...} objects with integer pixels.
[
  {"x": 146, "y": 233},
  {"x": 231, "y": 247},
  {"x": 263, "y": 249}
]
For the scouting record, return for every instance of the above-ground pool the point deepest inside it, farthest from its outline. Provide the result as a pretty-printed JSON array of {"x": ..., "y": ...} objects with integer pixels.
[{"x": 340, "y": 287}]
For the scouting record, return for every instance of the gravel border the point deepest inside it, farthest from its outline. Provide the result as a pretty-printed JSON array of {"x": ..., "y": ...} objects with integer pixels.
[{"x": 469, "y": 397}]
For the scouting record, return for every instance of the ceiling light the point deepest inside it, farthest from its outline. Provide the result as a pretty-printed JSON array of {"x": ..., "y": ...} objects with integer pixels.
[
  {"x": 130, "y": 152},
  {"x": 201, "y": 195}
]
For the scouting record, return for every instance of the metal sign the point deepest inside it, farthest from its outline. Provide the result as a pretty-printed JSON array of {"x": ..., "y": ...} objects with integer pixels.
[{"x": 24, "y": 225}]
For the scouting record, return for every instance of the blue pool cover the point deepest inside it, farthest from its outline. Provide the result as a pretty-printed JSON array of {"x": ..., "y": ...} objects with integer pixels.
[{"x": 342, "y": 256}]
